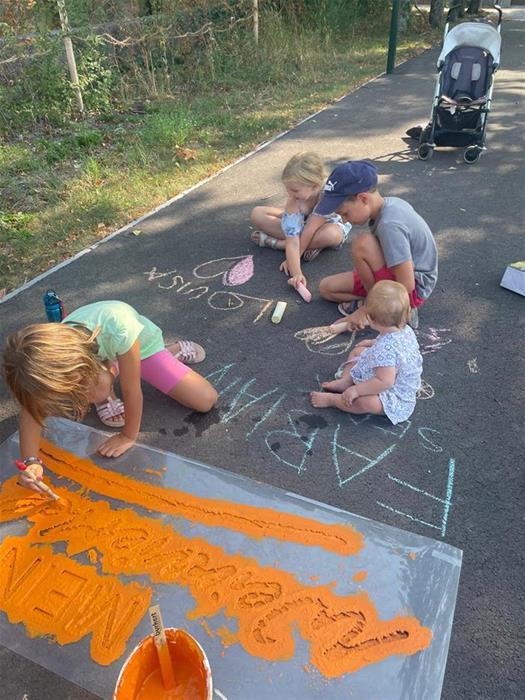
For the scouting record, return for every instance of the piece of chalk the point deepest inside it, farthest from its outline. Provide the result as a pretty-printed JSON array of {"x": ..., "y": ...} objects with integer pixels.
[
  {"x": 278, "y": 311},
  {"x": 339, "y": 327},
  {"x": 304, "y": 292}
]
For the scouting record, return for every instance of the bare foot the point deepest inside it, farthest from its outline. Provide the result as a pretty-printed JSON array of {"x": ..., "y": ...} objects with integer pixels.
[
  {"x": 338, "y": 385},
  {"x": 321, "y": 399},
  {"x": 267, "y": 241}
]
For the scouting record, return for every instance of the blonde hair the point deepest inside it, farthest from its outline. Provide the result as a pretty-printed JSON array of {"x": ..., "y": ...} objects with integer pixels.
[
  {"x": 304, "y": 169},
  {"x": 388, "y": 304},
  {"x": 50, "y": 368}
]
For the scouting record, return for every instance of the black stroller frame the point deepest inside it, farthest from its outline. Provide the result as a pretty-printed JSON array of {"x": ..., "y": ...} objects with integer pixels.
[{"x": 463, "y": 95}]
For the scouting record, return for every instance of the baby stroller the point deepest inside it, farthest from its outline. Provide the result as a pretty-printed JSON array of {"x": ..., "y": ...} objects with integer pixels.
[{"x": 466, "y": 65}]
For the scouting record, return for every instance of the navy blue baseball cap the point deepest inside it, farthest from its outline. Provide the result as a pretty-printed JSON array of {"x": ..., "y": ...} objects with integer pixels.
[{"x": 352, "y": 177}]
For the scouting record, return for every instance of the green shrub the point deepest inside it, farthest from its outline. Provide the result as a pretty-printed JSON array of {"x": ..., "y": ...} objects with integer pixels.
[
  {"x": 94, "y": 75},
  {"x": 39, "y": 90},
  {"x": 15, "y": 226}
]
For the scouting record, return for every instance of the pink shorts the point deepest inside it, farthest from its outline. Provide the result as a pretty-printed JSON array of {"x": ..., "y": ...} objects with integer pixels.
[
  {"x": 163, "y": 371},
  {"x": 384, "y": 273}
]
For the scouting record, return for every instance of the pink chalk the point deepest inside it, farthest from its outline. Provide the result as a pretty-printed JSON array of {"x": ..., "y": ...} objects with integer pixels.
[{"x": 303, "y": 291}]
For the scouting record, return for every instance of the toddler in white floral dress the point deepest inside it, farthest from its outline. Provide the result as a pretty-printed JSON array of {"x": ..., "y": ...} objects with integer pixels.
[{"x": 381, "y": 376}]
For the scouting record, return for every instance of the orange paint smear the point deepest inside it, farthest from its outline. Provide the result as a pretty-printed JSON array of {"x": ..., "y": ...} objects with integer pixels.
[
  {"x": 141, "y": 678},
  {"x": 155, "y": 472},
  {"x": 344, "y": 632},
  {"x": 51, "y": 594},
  {"x": 250, "y": 520},
  {"x": 360, "y": 576},
  {"x": 227, "y": 636},
  {"x": 205, "y": 626}
]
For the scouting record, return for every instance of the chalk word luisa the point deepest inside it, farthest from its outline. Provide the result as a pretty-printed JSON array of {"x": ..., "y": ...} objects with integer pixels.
[
  {"x": 233, "y": 272},
  {"x": 301, "y": 440}
]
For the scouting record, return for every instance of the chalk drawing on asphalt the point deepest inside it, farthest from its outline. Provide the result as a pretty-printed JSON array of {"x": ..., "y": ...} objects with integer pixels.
[
  {"x": 425, "y": 391},
  {"x": 219, "y": 300},
  {"x": 235, "y": 271}
]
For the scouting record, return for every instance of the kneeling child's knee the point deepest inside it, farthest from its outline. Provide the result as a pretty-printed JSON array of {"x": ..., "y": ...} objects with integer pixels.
[{"x": 207, "y": 400}]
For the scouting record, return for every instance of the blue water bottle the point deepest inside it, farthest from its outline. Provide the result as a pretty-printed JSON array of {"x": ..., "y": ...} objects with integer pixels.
[{"x": 53, "y": 306}]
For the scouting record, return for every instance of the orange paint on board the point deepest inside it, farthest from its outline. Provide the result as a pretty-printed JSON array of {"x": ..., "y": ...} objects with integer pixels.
[
  {"x": 344, "y": 632},
  {"x": 54, "y": 595},
  {"x": 227, "y": 637},
  {"x": 155, "y": 472},
  {"x": 250, "y": 520},
  {"x": 205, "y": 626},
  {"x": 359, "y": 576}
]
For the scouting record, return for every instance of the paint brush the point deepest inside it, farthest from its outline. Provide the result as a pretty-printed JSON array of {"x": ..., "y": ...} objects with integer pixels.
[
  {"x": 161, "y": 645},
  {"x": 43, "y": 488}
]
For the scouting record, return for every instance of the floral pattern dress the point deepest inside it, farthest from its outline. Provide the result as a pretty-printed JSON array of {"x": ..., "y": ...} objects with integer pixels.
[{"x": 399, "y": 349}]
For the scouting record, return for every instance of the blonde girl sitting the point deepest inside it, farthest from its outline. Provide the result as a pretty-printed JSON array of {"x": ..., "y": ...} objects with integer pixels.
[
  {"x": 381, "y": 376},
  {"x": 59, "y": 369},
  {"x": 296, "y": 228}
]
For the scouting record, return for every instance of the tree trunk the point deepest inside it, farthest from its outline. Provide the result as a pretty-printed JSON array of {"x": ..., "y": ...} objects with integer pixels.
[
  {"x": 435, "y": 16},
  {"x": 474, "y": 7},
  {"x": 405, "y": 7},
  {"x": 457, "y": 9}
]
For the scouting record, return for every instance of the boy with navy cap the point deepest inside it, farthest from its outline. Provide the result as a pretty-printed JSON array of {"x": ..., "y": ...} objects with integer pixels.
[{"x": 398, "y": 246}]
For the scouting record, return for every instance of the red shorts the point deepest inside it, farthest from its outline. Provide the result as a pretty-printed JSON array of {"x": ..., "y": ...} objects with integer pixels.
[{"x": 384, "y": 273}]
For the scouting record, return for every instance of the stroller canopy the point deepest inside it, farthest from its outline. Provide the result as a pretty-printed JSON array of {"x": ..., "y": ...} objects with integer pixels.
[{"x": 480, "y": 34}]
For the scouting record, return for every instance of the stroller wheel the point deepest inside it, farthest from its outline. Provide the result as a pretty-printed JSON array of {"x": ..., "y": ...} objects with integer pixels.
[
  {"x": 425, "y": 152},
  {"x": 472, "y": 154}
]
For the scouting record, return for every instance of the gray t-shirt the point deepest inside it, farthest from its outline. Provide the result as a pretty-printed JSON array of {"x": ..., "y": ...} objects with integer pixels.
[{"x": 404, "y": 235}]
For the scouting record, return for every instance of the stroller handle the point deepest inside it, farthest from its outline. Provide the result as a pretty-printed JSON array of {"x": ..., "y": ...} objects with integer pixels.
[
  {"x": 494, "y": 7},
  {"x": 499, "y": 11}
]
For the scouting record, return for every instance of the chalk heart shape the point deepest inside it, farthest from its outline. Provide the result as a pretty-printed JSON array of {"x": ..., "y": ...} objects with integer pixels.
[{"x": 235, "y": 271}]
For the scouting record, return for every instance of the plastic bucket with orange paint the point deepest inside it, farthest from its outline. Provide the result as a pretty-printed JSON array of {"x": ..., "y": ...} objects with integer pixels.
[{"x": 140, "y": 679}]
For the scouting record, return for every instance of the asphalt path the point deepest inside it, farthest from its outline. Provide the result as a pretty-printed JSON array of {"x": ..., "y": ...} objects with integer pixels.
[{"x": 453, "y": 473}]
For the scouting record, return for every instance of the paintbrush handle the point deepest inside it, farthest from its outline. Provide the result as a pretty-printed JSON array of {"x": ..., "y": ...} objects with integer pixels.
[{"x": 161, "y": 644}]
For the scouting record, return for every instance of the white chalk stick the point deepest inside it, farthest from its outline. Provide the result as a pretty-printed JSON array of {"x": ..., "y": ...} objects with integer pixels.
[
  {"x": 304, "y": 292},
  {"x": 340, "y": 327},
  {"x": 278, "y": 311}
]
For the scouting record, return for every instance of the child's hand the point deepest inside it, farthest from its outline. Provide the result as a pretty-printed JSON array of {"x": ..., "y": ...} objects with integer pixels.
[
  {"x": 350, "y": 395},
  {"x": 297, "y": 279},
  {"x": 115, "y": 446},
  {"x": 37, "y": 471},
  {"x": 358, "y": 320},
  {"x": 283, "y": 267}
]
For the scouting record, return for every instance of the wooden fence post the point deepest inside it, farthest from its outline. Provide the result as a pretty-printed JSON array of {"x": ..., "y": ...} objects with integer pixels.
[
  {"x": 256, "y": 21},
  {"x": 70, "y": 55}
]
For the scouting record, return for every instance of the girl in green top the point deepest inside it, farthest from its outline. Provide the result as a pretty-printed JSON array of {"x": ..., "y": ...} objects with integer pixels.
[{"x": 59, "y": 369}]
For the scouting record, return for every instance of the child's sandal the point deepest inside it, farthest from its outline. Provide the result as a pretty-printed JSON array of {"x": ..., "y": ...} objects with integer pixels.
[
  {"x": 310, "y": 254},
  {"x": 111, "y": 408},
  {"x": 347, "y": 308},
  {"x": 263, "y": 240},
  {"x": 189, "y": 353}
]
